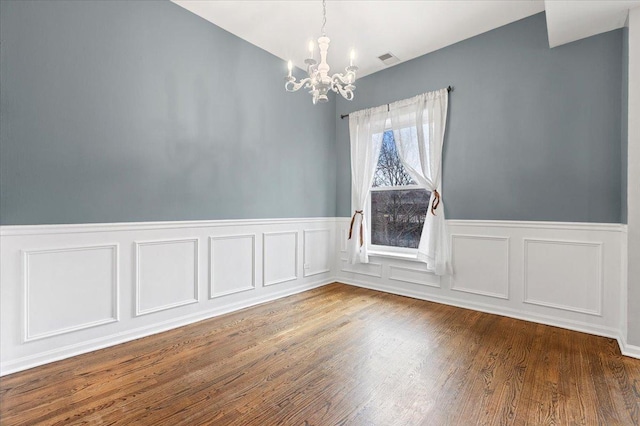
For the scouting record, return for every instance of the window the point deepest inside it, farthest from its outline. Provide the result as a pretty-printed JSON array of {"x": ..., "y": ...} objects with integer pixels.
[{"x": 398, "y": 205}]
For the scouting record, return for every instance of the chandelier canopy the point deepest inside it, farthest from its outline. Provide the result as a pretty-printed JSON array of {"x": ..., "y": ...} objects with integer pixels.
[{"x": 319, "y": 81}]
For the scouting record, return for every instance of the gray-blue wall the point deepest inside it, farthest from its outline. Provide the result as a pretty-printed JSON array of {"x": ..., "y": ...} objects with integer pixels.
[
  {"x": 533, "y": 133},
  {"x": 141, "y": 111}
]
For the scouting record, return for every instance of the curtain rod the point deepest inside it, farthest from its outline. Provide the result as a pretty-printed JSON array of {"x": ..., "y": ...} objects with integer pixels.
[{"x": 343, "y": 116}]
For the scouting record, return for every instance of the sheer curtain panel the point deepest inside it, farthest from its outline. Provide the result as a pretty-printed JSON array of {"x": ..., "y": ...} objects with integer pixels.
[
  {"x": 366, "y": 130},
  {"x": 418, "y": 126}
]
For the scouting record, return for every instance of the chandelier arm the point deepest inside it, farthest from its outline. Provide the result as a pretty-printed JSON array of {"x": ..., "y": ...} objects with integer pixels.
[
  {"x": 347, "y": 94},
  {"x": 293, "y": 86},
  {"x": 346, "y": 91},
  {"x": 344, "y": 79}
]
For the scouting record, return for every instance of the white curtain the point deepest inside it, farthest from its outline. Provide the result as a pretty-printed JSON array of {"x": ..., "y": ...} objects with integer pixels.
[
  {"x": 418, "y": 127},
  {"x": 366, "y": 129}
]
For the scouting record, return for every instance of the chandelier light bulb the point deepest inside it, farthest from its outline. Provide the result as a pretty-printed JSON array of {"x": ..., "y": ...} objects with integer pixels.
[
  {"x": 352, "y": 57},
  {"x": 311, "y": 47},
  {"x": 290, "y": 67}
]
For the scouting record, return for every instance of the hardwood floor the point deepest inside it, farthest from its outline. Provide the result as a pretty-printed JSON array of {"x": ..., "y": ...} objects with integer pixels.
[{"x": 338, "y": 355}]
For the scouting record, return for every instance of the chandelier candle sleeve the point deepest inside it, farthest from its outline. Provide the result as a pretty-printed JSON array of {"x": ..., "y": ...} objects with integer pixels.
[{"x": 319, "y": 81}]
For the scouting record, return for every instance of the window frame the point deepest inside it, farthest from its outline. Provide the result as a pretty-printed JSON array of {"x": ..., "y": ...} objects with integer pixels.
[{"x": 405, "y": 253}]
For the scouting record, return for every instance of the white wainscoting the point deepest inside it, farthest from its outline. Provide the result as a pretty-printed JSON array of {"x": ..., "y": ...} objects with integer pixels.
[
  {"x": 232, "y": 261},
  {"x": 71, "y": 289},
  {"x": 481, "y": 265},
  {"x": 166, "y": 274},
  {"x": 416, "y": 274},
  {"x": 82, "y": 280},
  {"x": 317, "y": 251},
  {"x": 371, "y": 269},
  {"x": 562, "y": 274},
  {"x": 280, "y": 257}
]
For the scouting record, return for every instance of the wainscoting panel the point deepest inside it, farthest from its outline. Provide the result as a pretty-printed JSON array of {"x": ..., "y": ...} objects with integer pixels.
[
  {"x": 280, "y": 257},
  {"x": 414, "y": 275},
  {"x": 480, "y": 265},
  {"x": 232, "y": 261},
  {"x": 69, "y": 289},
  {"x": 166, "y": 274},
  {"x": 344, "y": 237},
  {"x": 371, "y": 269},
  {"x": 564, "y": 275},
  {"x": 317, "y": 252}
]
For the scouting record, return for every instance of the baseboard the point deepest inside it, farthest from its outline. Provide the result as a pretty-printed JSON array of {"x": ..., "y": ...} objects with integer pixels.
[
  {"x": 632, "y": 351},
  {"x": 64, "y": 352},
  {"x": 490, "y": 309}
]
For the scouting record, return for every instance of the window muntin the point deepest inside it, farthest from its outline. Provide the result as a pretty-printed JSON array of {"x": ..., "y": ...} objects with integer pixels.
[{"x": 398, "y": 206}]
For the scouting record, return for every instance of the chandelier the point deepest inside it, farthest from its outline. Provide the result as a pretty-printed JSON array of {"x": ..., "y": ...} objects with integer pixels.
[{"x": 319, "y": 81}]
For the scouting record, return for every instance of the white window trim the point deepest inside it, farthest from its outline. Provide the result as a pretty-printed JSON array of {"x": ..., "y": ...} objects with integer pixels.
[{"x": 400, "y": 253}]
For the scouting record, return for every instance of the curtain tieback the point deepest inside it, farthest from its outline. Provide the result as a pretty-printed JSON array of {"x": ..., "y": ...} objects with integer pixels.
[
  {"x": 353, "y": 219},
  {"x": 436, "y": 202}
]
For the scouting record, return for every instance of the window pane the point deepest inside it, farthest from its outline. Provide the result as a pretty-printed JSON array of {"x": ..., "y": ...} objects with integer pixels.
[
  {"x": 389, "y": 171},
  {"x": 397, "y": 217}
]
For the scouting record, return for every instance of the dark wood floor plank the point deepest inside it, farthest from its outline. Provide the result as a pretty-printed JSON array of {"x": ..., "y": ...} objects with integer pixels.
[
  {"x": 495, "y": 378},
  {"x": 338, "y": 355},
  {"x": 626, "y": 401},
  {"x": 574, "y": 380}
]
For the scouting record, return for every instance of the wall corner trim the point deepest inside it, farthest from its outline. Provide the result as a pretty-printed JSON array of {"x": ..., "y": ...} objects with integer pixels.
[{"x": 626, "y": 349}]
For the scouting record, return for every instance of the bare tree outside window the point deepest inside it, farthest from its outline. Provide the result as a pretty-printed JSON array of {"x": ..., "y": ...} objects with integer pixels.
[
  {"x": 397, "y": 213},
  {"x": 390, "y": 171}
]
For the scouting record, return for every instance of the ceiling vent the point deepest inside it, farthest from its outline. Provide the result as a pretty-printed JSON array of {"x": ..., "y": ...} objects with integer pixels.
[{"x": 388, "y": 59}]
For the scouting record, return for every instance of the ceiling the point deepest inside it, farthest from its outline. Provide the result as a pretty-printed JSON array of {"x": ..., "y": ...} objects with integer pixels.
[
  {"x": 572, "y": 20},
  {"x": 407, "y": 29}
]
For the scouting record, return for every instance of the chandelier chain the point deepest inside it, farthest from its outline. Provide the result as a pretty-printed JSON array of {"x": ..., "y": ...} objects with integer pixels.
[{"x": 324, "y": 16}]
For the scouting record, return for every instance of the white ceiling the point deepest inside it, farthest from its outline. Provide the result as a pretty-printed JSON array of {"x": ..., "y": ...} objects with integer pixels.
[
  {"x": 407, "y": 29},
  {"x": 572, "y": 20}
]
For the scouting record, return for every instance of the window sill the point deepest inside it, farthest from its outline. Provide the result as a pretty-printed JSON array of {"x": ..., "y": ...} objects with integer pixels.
[{"x": 394, "y": 255}]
